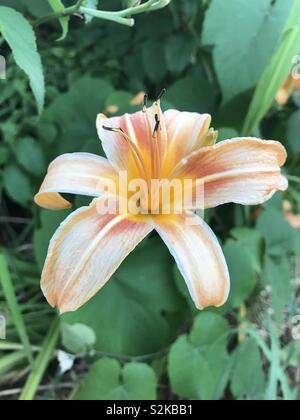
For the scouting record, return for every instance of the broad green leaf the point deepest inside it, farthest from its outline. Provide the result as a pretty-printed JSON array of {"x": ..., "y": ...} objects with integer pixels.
[
  {"x": 77, "y": 338},
  {"x": 74, "y": 114},
  {"x": 280, "y": 237},
  {"x": 107, "y": 380},
  {"x": 4, "y": 154},
  {"x": 277, "y": 274},
  {"x": 30, "y": 155},
  {"x": 227, "y": 133},
  {"x": 139, "y": 310},
  {"x": 153, "y": 57},
  {"x": 198, "y": 362},
  {"x": 37, "y": 8},
  {"x": 233, "y": 113},
  {"x": 248, "y": 379},
  {"x": 120, "y": 100},
  {"x": 19, "y": 34},
  {"x": 244, "y": 34},
  {"x": 251, "y": 241},
  {"x": 179, "y": 50},
  {"x": 58, "y": 6},
  {"x": 242, "y": 273},
  {"x": 293, "y": 132},
  {"x": 17, "y": 185},
  {"x": 192, "y": 94}
]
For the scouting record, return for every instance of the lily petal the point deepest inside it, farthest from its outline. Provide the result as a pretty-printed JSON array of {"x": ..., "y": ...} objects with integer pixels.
[
  {"x": 84, "y": 253},
  {"x": 143, "y": 145},
  {"x": 199, "y": 258},
  {"x": 74, "y": 173},
  {"x": 242, "y": 170},
  {"x": 187, "y": 131}
]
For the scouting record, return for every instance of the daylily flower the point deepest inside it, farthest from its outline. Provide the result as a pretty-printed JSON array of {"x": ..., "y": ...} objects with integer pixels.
[
  {"x": 89, "y": 247},
  {"x": 290, "y": 86}
]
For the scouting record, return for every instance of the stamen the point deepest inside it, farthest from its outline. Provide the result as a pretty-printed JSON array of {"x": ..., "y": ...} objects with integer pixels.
[
  {"x": 162, "y": 93},
  {"x": 145, "y": 102},
  {"x": 135, "y": 151},
  {"x": 157, "y": 123},
  {"x": 110, "y": 128}
]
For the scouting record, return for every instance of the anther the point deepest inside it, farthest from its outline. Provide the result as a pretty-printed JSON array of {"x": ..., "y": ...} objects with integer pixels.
[
  {"x": 162, "y": 93},
  {"x": 145, "y": 102},
  {"x": 157, "y": 122},
  {"x": 109, "y": 128}
]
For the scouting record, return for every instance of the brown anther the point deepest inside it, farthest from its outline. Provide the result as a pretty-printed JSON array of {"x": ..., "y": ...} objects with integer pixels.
[
  {"x": 109, "y": 128},
  {"x": 145, "y": 102},
  {"x": 157, "y": 123},
  {"x": 162, "y": 93}
]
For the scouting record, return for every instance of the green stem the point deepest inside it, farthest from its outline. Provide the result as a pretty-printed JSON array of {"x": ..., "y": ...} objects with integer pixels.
[
  {"x": 41, "y": 363},
  {"x": 293, "y": 178},
  {"x": 112, "y": 16},
  {"x": 144, "y": 7},
  {"x": 56, "y": 15},
  {"x": 8, "y": 290},
  {"x": 11, "y": 360},
  {"x": 122, "y": 16}
]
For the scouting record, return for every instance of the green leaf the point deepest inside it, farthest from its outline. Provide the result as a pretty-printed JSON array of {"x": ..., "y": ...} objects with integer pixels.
[
  {"x": 58, "y": 6},
  {"x": 121, "y": 100},
  {"x": 244, "y": 34},
  {"x": 30, "y": 155},
  {"x": 227, "y": 133},
  {"x": 198, "y": 362},
  {"x": 293, "y": 131},
  {"x": 37, "y": 8},
  {"x": 277, "y": 274},
  {"x": 248, "y": 381},
  {"x": 74, "y": 132},
  {"x": 242, "y": 273},
  {"x": 17, "y": 185},
  {"x": 77, "y": 338},
  {"x": 107, "y": 380},
  {"x": 140, "y": 301},
  {"x": 19, "y": 34},
  {"x": 252, "y": 242},
  {"x": 179, "y": 50},
  {"x": 50, "y": 221},
  {"x": 192, "y": 94},
  {"x": 153, "y": 57},
  {"x": 281, "y": 239},
  {"x": 4, "y": 154}
]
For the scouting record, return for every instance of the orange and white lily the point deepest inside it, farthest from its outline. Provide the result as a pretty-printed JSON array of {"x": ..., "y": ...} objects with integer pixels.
[{"x": 89, "y": 247}]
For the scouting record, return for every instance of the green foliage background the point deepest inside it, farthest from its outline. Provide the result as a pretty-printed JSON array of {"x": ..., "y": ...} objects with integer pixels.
[{"x": 141, "y": 338}]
